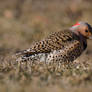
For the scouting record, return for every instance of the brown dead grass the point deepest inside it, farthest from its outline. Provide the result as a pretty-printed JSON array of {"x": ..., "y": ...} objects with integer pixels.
[{"x": 24, "y": 22}]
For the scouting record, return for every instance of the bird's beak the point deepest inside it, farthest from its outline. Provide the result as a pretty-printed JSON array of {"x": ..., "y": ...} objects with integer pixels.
[{"x": 90, "y": 37}]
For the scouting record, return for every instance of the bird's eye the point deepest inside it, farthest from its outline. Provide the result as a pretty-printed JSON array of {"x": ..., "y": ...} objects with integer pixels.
[{"x": 86, "y": 30}]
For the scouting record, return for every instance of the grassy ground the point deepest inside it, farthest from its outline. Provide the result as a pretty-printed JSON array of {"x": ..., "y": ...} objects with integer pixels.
[{"x": 27, "y": 21}]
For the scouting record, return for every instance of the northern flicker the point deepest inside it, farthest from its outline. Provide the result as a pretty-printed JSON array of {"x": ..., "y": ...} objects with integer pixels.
[{"x": 62, "y": 46}]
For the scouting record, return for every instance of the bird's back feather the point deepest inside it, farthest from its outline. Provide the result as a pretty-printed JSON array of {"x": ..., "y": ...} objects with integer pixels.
[{"x": 55, "y": 41}]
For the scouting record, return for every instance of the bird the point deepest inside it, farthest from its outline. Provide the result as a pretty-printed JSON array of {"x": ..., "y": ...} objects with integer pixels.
[{"x": 64, "y": 45}]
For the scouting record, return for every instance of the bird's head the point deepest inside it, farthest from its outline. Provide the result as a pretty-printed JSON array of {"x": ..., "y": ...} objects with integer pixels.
[{"x": 82, "y": 28}]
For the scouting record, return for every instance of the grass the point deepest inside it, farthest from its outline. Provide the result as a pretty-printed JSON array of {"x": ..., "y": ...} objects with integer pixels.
[
  {"x": 27, "y": 76},
  {"x": 21, "y": 24}
]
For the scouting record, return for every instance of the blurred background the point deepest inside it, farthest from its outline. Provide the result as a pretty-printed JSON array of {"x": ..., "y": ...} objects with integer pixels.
[{"x": 25, "y": 21}]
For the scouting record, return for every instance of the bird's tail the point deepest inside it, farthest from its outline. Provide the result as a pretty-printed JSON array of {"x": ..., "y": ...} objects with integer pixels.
[{"x": 25, "y": 52}]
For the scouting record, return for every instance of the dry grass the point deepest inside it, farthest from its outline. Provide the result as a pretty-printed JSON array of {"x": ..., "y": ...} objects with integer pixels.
[{"x": 27, "y": 21}]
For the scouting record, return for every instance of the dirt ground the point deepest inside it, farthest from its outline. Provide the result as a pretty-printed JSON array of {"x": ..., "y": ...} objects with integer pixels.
[{"x": 23, "y": 22}]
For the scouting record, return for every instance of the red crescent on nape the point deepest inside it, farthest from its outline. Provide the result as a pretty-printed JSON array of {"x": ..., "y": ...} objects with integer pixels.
[{"x": 76, "y": 24}]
